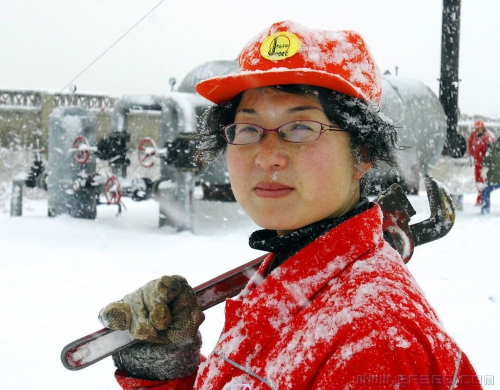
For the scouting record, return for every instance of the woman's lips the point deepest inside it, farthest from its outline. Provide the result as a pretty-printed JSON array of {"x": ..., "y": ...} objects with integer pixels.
[{"x": 272, "y": 190}]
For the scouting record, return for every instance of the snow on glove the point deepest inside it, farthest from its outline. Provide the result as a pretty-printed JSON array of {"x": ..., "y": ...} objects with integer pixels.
[
  {"x": 164, "y": 310},
  {"x": 160, "y": 361}
]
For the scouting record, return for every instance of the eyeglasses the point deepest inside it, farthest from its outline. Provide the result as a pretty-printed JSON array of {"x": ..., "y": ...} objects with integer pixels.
[{"x": 296, "y": 131}]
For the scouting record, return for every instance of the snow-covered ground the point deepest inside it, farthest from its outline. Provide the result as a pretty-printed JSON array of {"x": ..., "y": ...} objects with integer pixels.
[{"x": 57, "y": 273}]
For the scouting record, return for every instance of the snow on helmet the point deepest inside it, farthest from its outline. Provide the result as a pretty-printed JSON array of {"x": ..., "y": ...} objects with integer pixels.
[
  {"x": 289, "y": 53},
  {"x": 478, "y": 124}
]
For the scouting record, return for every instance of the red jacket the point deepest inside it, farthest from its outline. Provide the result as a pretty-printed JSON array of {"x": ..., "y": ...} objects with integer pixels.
[
  {"x": 343, "y": 313},
  {"x": 479, "y": 144}
]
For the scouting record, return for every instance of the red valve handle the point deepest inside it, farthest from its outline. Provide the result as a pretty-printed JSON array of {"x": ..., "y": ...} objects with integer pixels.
[
  {"x": 113, "y": 190},
  {"x": 146, "y": 152},
  {"x": 81, "y": 156}
]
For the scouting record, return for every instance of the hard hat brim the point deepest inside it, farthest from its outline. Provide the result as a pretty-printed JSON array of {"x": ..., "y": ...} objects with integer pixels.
[{"x": 222, "y": 89}]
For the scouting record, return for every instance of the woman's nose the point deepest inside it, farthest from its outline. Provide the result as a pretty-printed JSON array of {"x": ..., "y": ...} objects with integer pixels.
[{"x": 271, "y": 152}]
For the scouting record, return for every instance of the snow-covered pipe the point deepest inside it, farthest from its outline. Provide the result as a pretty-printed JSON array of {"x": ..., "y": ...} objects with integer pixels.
[
  {"x": 16, "y": 201},
  {"x": 133, "y": 102},
  {"x": 119, "y": 136},
  {"x": 179, "y": 119},
  {"x": 66, "y": 124},
  {"x": 180, "y": 114}
]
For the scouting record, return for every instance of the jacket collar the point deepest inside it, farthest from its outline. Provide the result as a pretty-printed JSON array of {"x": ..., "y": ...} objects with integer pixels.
[
  {"x": 283, "y": 247},
  {"x": 269, "y": 303}
]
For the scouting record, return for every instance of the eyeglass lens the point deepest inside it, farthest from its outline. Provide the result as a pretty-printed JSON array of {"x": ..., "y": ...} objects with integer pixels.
[{"x": 298, "y": 131}]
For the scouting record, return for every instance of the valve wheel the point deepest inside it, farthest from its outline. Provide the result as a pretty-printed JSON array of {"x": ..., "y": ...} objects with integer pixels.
[
  {"x": 82, "y": 154},
  {"x": 113, "y": 190},
  {"x": 146, "y": 152}
]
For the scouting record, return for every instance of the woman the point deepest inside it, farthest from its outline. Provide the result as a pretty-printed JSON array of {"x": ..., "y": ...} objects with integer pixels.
[{"x": 332, "y": 306}]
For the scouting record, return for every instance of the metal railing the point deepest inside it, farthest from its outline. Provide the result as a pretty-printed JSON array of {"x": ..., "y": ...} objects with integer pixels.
[
  {"x": 34, "y": 99},
  {"x": 85, "y": 101},
  {"x": 20, "y": 98}
]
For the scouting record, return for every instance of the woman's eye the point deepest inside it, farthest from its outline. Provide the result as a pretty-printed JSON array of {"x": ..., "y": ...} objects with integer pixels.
[
  {"x": 301, "y": 126},
  {"x": 246, "y": 129}
]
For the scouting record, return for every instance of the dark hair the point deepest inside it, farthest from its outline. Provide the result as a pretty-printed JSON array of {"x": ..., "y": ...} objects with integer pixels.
[{"x": 373, "y": 136}]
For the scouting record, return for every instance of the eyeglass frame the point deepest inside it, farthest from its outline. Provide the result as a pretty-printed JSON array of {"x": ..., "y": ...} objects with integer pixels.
[{"x": 324, "y": 128}]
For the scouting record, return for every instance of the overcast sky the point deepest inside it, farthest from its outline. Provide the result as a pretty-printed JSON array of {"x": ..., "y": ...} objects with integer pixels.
[{"x": 44, "y": 45}]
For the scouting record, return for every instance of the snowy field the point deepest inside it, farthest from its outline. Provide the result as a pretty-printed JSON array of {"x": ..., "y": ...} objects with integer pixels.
[{"x": 57, "y": 273}]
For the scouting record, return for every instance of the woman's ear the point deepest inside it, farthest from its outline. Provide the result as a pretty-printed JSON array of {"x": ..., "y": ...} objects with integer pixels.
[
  {"x": 361, "y": 168},
  {"x": 362, "y": 165}
]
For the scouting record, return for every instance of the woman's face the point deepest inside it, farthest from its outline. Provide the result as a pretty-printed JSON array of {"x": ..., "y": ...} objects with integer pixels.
[{"x": 284, "y": 186}]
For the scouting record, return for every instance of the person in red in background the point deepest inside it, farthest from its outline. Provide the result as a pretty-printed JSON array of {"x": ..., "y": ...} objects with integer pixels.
[{"x": 479, "y": 140}]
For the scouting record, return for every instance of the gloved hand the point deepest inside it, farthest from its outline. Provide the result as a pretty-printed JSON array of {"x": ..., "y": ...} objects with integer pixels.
[
  {"x": 165, "y": 314},
  {"x": 484, "y": 173},
  {"x": 160, "y": 361},
  {"x": 480, "y": 186}
]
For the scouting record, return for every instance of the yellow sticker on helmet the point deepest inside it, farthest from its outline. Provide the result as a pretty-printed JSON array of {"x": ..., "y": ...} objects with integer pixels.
[{"x": 280, "y": 46}]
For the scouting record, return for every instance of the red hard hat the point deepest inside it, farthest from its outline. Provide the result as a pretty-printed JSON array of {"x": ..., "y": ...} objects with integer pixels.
[
  {"x": 289, "y": 53},
  {"x": 478, "y": 124}
]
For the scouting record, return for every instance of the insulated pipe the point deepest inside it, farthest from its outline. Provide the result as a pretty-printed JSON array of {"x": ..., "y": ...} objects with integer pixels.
[
  {"x": 180, "y": 114},
  {"x": 66, "y": 124},
  {"x": 132, "y": 102},
  {"x": 16, "y": 201},
  {"x": 119, "y": 137},
  {"x": 177, "y": 174}
]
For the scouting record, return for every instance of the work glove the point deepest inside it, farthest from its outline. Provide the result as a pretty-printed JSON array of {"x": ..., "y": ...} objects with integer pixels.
[
  {"x": 480, "y": 186},
  {"x": 484, "y": 173},
  {"x": 160, "y": 361},
  {"x": 164, "y": 314}
]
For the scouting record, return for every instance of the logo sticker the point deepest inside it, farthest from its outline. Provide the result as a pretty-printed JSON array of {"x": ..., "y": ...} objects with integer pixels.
[{"x": 280, "y": 46}]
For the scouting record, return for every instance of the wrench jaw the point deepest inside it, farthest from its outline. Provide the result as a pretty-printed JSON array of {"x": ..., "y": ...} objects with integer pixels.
[
  {"x": 397, "y": 212},
  {"x": 442, "y": 216}
]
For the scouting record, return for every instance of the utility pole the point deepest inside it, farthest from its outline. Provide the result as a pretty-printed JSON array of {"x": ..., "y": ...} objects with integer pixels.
[{"x": 455, "y": 145}]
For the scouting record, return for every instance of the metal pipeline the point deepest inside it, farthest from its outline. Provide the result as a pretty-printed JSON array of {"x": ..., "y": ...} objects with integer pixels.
[
  {"x": 16, "y": 201},
  {"x": 133, "y": 102}
]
